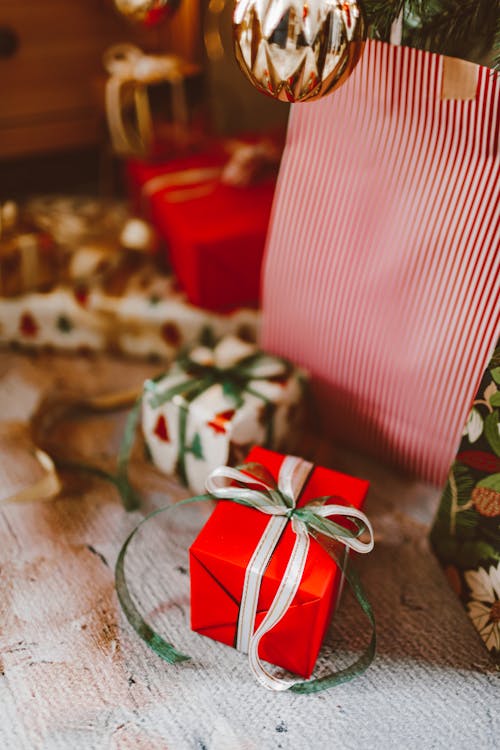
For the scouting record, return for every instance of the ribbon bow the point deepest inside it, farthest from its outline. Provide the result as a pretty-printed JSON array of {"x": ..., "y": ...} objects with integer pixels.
[
  {"x": 232, "y": 364},
  {"x": 127, "y": 64},
  {"x": 256, "y": 489}
]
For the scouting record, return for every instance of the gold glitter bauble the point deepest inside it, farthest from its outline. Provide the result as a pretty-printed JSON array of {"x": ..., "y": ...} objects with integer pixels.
[
  {"x": 146, "y": 12},
  {"x": 298, "y": 50}
]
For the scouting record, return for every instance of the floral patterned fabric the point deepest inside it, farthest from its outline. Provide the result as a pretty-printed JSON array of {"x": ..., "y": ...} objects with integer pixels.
[{"x": 466, "y": 532}]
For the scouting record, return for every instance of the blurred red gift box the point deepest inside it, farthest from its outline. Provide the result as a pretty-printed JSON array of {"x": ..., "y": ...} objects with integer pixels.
[{"x": 212, "y": 208}]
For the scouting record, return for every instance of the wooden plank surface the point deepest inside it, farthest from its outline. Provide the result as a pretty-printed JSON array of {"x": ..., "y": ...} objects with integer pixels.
[{"x": 74, "y": 675}]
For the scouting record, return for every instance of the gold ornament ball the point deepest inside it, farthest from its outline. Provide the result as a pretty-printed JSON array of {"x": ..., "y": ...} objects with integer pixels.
[
  {"x": 146, "y": 12},
  {"x": 298, "y": 50}
]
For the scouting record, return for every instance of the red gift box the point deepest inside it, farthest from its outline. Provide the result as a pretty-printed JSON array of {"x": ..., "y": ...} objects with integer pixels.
[
  {"x": 215, "y": 232},
  {"x": 141, "y": 172},
  {"x": 221, "y": 553}
]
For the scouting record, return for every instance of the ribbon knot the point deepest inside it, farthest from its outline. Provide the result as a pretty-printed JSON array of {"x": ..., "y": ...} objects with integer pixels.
[{"x": 297, "y": 513}]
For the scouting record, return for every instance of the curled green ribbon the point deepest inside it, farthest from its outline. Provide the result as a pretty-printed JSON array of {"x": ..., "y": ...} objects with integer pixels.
[{"x": 324, "y": 530}]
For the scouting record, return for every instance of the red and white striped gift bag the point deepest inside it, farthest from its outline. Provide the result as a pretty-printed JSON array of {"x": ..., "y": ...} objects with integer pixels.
[{"x": 382, "y": 266}]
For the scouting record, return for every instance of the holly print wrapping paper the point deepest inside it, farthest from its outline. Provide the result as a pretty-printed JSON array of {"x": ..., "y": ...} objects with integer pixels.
[
  {"x": 53, "y": 320},
  {"x": 466, "y": 532},
  {"x": 215, "y": 403},
  {"x": 134, "y": 310}
]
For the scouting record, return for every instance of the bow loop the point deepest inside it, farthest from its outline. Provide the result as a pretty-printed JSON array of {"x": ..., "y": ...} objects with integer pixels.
[
  {"x": 267, "y": 498},
  {"x": 322, "y": 522}
]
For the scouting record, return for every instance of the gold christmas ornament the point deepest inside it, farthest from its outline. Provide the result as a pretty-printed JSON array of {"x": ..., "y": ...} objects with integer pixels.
[
  {"x": 298, "y": 50},
  {"x": 146, "y": 12}
]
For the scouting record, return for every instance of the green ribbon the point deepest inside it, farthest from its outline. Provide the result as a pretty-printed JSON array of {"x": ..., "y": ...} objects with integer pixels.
[
  {"x": 130, "y": 498},
  {"x": 319, "y": 528},
  {"x": 234, "y": 380}
]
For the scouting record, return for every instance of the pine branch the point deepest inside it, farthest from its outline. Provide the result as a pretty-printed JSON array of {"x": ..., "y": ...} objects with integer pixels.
[
  {"x": 463, "y": 28},
  {"x": 496, "y": 46},
  {"x": 457, "y": 28},
  {"x": 380, "y": 15}
]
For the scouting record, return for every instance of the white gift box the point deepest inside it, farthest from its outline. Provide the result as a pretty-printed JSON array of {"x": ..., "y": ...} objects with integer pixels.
[{"x": 193, "y": 435}]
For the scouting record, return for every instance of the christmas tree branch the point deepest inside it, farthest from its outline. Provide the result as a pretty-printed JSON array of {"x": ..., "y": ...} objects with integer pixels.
[{"x": 461, "y": 28}]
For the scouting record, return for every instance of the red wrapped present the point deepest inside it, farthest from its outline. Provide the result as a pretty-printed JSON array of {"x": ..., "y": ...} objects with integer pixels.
[
  {"x": 213, "y": 211},
  {"x": 241, "y": 559}
]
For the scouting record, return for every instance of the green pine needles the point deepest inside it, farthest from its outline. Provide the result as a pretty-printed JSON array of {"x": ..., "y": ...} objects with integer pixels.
[{"x": 469, "y": 29}]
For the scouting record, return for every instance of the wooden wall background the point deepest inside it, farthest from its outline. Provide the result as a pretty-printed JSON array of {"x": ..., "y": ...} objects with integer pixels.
[{"x": 50, "y": 87}]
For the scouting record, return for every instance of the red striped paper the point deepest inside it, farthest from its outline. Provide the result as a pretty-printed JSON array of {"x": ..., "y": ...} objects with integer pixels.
[{"x": 382, "y": 266}]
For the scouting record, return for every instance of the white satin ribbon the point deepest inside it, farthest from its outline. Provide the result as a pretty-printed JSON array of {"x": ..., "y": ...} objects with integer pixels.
[
  {"x": 184, "y": 179},
  {"x": 293, "y": 475}
]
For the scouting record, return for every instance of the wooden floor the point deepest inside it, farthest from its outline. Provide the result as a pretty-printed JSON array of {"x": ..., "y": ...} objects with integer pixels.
[{"x": 73, "y": 675}]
